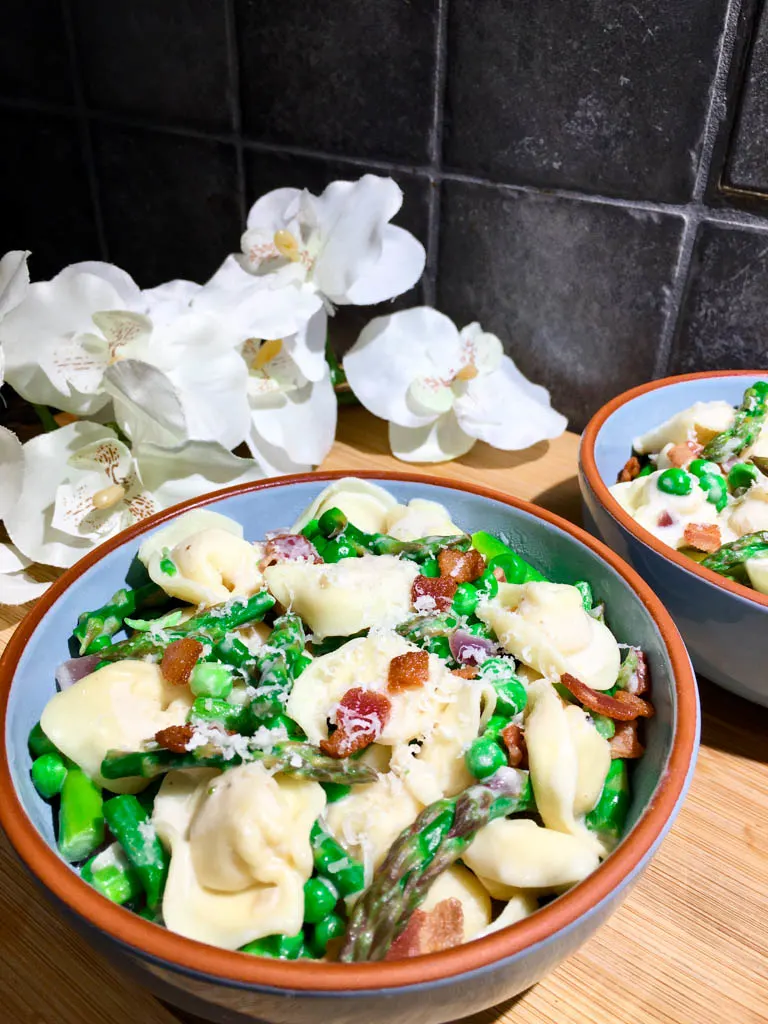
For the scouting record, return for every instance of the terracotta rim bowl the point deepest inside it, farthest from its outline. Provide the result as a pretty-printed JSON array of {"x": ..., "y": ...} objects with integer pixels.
[
  {"x": 231, "y": 967},
  {"x": 607, "y": 500}
]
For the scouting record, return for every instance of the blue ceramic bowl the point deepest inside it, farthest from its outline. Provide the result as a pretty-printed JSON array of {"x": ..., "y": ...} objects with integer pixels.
[
  {"x": 232, "y": 987},
  {"x": 724, "y": 624}
]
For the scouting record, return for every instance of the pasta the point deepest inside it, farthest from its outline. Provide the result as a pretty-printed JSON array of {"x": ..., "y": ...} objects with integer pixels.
[{"x": 373, "y": 737}]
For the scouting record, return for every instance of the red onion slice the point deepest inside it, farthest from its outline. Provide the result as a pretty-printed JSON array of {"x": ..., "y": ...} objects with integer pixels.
[
  {"x": 468, "y": 649},
  {"x": 75, "y": 669}
]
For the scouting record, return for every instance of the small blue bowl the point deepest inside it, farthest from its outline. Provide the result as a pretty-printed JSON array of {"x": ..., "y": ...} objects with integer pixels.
[
  {"x": 724, "y": 624},
  {"x": 233, "y": 988}
]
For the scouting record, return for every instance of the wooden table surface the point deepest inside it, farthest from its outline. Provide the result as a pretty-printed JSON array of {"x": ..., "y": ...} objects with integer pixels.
[{"x": 690, "y": 944}]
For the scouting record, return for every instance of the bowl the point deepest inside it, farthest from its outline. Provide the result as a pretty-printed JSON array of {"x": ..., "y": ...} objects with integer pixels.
[
  {"x": 225, "y": 986},
  {"x": 724, "y": 624}
]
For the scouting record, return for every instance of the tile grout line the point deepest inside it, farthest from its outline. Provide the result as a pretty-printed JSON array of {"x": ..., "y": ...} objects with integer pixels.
[
  {"x": 429, "y": 281},
  {"x": 86, "y": 139},
  {"x": 675, "y": 298},
  {"x": 236, "y": 113}
]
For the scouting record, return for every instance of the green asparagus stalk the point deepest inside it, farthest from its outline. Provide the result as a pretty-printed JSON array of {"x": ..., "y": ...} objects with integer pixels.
[
  {"x": 300, "y": 760},
  {"x": 428, "y": 847},
  {"x": 729, "y": 559},
  {"x": 500, "y": 556},
  {"x": 81, "y": 816},
  {"x": 130, "y": 824},
  {"x": 746, "y": 426},
  {"x": 627, "y": 670},
  {"x": 210, "y": 626},
  {"x": 420, "y": 628},
  {"x": 104, "y": 622},
  {"x": 234, "y": 717},
  {"x": 111, "y": 873},
  {"x": 276, "y": 665},
  {"x": 610, "y": 813},
  {"x": 334, "y": 524}
]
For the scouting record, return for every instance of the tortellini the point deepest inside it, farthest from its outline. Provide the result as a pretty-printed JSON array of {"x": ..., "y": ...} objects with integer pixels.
[
  {"x": 420, "y": 518},
  {"x": 117, "y": 707},
  {"x": 750, "y": 514},
  {"x": 757, "y": 570},
  {"x": 460, "y": 884},
  {"x": 209, "y": 567},
  {"x": 240, "y": 852},
  {"x": 343, "y": 598},
  {"x": 365, "y": 505},
  {"x": 647, "y": 505},
  {"x": 545, "y": 626},
  {"x": 519, "y": 905},
  {"x": 700, "y": 422}
]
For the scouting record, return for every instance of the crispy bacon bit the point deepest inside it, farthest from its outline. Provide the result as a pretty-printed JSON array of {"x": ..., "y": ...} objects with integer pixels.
[
  {"x": 360, "y": 718},
  {"x": 430, "y": 931},
  {"x": 500, "y": 575},
  {"x": 514, "y": 741},
  {"x": 623, "y": 707},
  {"x": 179, "y": 659},
  {"x": 702, "y": 536},
  {"x": 408, "y": 671},
  {"x": 462, "y": 566},
  {"x": 640, "y": 680},
  {"x": 630, "y": 471},
  {"x": 625, "y": 742},
  {"x": 175, "y": 737},
  {"x": 680, "y": 455},
  {"x": 288, "y": 547},
  {"x": 665, "y": 519},
  {"x": 439, "y": 588},
  {"x": 466, "y": 671}
]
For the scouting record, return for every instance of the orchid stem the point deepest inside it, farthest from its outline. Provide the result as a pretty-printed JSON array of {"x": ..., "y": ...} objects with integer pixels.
[{"x": 46, "y": 418}]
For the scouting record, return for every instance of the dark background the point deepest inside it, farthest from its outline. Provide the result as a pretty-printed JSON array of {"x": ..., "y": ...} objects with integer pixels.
[{"x": 590, "y": 177}]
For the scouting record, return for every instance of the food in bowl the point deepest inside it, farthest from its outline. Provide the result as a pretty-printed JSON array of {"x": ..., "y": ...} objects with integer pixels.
[
  {"x": 699, "y": 483},
  {"x": 427, "y": 742}
]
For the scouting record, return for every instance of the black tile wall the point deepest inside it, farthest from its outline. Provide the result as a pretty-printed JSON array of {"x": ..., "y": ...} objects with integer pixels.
[
  {"x": 34, "y": 56},
  {"x": 44, "y": 184},
  {"x": 165, "y": 61},
  {"x": 724, "y": 317},
  {"x": 748, "y": 163},
  {"x": 170, "y": 203},
  {"x": 353, "y": 78},
  {"x": 573, "y": 289},
  {"x": 594, "y": 95}
]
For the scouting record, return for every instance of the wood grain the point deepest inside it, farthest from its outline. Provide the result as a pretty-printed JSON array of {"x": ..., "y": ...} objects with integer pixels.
[{"x": 690, "y": 944}]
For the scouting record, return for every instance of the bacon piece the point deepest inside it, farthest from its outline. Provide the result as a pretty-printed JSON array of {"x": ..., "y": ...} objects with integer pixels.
[
  {"x": 179, "y": 659},
  {"x": 625, "y": 742},
  {"x": 430, "y": 931},
  {"x": 360, "y": 718},
  {"x": 665, "y": 519},
  {"x": 500, "y": 575},
  {"x": 514, "y": 741},
  {"x": 462, "y": 566},
  {"x": 466, "y": 671},
  {"x": 640, "y": 680},
  {"x": 408, "y": 671},
  {"x": 439, "y": 588},
  {"x": 630, "y": 471},
  {"x": 288, "y": 547},
  {"x": 680, "y": 455},
  {"x": 703, "y": 536},
  {"x": 175, "y": 737},
  {"x": 623, "y": 707}
]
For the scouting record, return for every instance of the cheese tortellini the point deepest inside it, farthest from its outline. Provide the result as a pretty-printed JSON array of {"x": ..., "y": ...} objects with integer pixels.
[{"x": 700, "y": 422}]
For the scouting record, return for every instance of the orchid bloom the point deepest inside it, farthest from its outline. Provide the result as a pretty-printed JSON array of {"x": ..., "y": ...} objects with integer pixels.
[
  {"x": 443, "y": 389},
  {"x": 16, "y": 586},
  {"x": 339, "y": 244},
  {"x": 81, "y": 485},
  {"x": 14, "y": 281}
]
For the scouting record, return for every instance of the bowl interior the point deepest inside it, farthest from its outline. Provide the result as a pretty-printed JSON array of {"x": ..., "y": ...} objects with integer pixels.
[
  {"x": 559, "y": 556},
  {"x": 613, "y": 443}
]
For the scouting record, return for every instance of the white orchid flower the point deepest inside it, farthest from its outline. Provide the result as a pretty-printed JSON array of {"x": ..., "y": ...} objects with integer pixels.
[
  {"x": 443, "y": 389},
  {"x": 81, "y": 485},
  {"x": 16, "y": 586},
  {"x": 340, "y": 243},
  {"x": 14, "y": 281}
]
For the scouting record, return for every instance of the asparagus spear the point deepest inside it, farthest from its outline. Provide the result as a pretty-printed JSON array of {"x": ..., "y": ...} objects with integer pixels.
[
  {"x": 745, "y": 428},
  {"x": 81, "y": 817},
  {"x": 276, "y": 664},
  {"x": 111, "y": 873},
  {"x": 129, "y": 823},
  {"x": 435, "y": 840},
  {"x": 333, "y": 523},
  {"x": 301, "y": 760},
  {"x": 500, "y": 556},
  {"x": 627, "y": 670},
  {"x": 610, "y": 813},
  {"x": 729, "y": 559},
  {"x": 104, "y": 622},
  {"x": 420, "y": 628},
  {"x": 212, "y": 626}
]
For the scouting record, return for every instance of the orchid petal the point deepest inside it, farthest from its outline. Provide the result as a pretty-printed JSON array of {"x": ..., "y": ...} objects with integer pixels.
[
  {"x": 167, "y": 301},
  {"x": 307, "y": 346},
  {"x": 301, "y": 422},
  {"x": 481, "y": 350},
  {"x": 16, "y": 586},
  {"x": 440, "y": 441},
  {"x": 172, "y": 475},
  {"x": 398, "y": 268},
  {"x": 14, "y": 280},
  {"x": 126, "y": 289},
  {"x": 393, "y": 351},
  {"x": 147, "y": 406},
  {"x": 11, "y": 471},
  {"x": 274, "y": 210},
  {"x": 273, "y": 461},
  {"x": 507, "y": 411},
  {"x": 29, "y": 522}
]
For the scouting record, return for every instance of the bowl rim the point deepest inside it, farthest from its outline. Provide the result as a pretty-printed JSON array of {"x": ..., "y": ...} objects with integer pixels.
[
  {"x": 230, "y": 967},
  {"x": 611, "y": 505}
]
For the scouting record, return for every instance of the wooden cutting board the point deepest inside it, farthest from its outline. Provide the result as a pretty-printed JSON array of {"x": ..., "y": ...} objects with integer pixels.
[{"x": 689, "y": 946}]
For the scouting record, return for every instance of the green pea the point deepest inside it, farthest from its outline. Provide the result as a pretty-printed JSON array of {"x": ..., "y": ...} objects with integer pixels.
[
  {"x": 487, "y": 586},
  {"x": 281, "y": 947},
  {"x": 333, "y": 862},
  {"x": 48, "y": 775},
  {"x": 674, "y": 481},
  {"x": 331, "y": 927},
  {"x": 336, "y": 550},
  {"x": 515, "y": 568},
  {"x": 439, "y": 645},
  {"x": 761, "y": 390},
  {"x": 605, "y": 726},
  {"x": 465, "y": 599},
  {"x": 495, "y": 725},
  {"x": 211, "y": 680},
  {"x": 742, "y": 476},
  {"x": 479, "y": 628},
  {"x": 430, "y": 568},
  {"x": 39, "y": 743},
  {"x": 647, "y": 469},
  {"x": 715, "y": 490},
  {"x": 335, "y": 791},
  {"x": 497, "y": 670},
  {"x": 484, "y": 757},
  {"x": 281, "y": 721},
  {"x": 511, "y": 698},
  {"x": 701, "y": 467},
  {"x": 98, "y": 644},
  {"x": 320, "y": 897}
]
